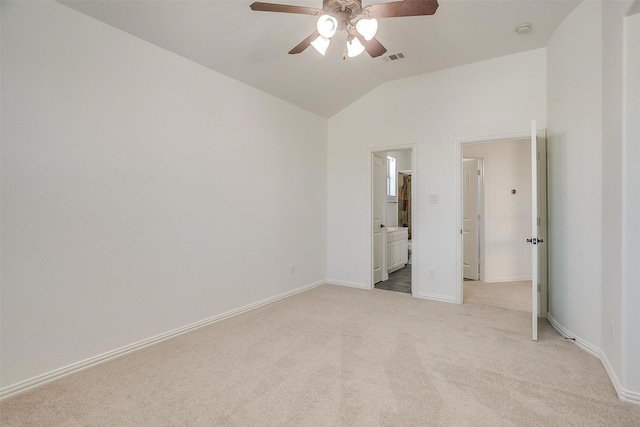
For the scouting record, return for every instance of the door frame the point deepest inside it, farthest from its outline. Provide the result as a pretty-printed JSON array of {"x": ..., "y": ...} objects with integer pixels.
[
  {"x": 458, "y": 161},
  {"x": 414, "y": 210}
]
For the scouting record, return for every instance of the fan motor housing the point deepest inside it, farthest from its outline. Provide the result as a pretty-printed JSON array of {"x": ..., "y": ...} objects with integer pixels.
[
  {"x": 352, "y": 7},
  {"x": 343, "y": 10}
]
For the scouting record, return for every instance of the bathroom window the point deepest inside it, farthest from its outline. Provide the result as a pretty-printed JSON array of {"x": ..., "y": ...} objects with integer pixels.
[{"x": 391, "y": 176}]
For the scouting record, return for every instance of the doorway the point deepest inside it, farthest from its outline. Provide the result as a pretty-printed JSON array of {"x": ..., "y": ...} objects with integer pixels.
[
  {"x": 496, "y": 199},
  {"x": 393, "y": 227},
  {"x": 514, "y": 242}
]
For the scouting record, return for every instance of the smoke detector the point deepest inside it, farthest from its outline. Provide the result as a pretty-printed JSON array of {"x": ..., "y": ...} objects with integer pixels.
[{"x": 523, "y": 29}]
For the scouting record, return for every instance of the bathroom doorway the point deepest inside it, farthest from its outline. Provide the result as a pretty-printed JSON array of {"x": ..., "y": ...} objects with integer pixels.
[{"x": 392, "y": 213}]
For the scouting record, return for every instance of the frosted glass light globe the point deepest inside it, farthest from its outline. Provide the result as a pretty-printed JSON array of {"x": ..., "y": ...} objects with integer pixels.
[
  {"x": 327, "y": 26},
  {"x": 354, "y": 48},
  {"x": 367, "y": 27},
  {"x": 321, "y": 44}
]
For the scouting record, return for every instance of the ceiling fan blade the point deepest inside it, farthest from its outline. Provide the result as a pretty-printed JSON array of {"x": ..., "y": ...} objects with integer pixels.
[
  {"x": 401, "y": 8},
  {"x": 304, "y": 43},
  {"x": 286, "y": 8},
  {"x": 373, "y": 47}
]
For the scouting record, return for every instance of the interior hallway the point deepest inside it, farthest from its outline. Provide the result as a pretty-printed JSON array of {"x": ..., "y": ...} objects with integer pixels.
[{"x": 509, "y": 295}]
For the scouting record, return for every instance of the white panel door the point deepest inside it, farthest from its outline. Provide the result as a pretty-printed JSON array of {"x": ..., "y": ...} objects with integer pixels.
[
  {"x": 470, "y": 219},
  {"x": 538, "y": 229},
  {"x": 379, "y": 178},
  {"x": 542, "y": 226}
]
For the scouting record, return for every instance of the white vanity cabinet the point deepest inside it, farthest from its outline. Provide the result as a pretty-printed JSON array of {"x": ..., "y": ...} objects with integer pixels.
[{"x": 397, "y": 248}]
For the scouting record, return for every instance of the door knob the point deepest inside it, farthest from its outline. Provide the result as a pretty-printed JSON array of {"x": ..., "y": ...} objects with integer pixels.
[
  {"x": 535, "y": 241},
  {"x": 382, "y": 225}
]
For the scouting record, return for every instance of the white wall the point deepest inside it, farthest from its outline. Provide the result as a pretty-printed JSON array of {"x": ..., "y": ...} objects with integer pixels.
[
  {"x": 630, "y": 294},
  {"x": 574, "y": 150},
  {"x": 403, "y": 159},
  {"x": 124, "y": 213},
  {"x": 612, "y": 179},
  {"x": 507, "y": 217},
  {"x": 392, "y": 214},
  {"x": 492, "y": 97},
  {"x": 592, "y": 182}
]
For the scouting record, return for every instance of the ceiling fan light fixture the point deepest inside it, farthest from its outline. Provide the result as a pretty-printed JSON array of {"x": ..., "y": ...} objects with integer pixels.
[
  {"x": 354, "y": 48},
  {"x": 327, "y": 26},
  {"x": 321, "y": 44},
  {"x": 367, "y": 28}
]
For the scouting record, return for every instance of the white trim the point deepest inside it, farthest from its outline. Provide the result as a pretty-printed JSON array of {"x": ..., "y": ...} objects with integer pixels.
[
  {"x": 629, "y": 396},
  {"x": 489, "y": 138},
  {"x": 348, "y": 284},
  {"x": 623, "y": 394},
  {"x": 612, "y": 376},
  {"x": 96, "y": 360},
  {"x": 415, "y": 220},
  {"x": 500, "y": 279},
  {"x": 585, "y": 345},
  {"x": 434, "y": 297}
]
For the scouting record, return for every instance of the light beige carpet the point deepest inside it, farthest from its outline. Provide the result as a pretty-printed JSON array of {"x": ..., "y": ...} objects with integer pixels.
[
  {"x": 510, "y": 295},
  {"x": 341, "y": 356}
]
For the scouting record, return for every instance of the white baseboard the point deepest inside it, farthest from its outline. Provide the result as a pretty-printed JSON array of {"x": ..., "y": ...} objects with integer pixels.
[
  {"x": 629, "y": 396},
  {"x": 585, "y": 345},
  {"x": 348, "y": 284},
  {"x": 93, "y": 361},
  {"x": 623, "y": 394},
  {"x": 506, "y": 279},
  {"x": 434, "y": 297}
]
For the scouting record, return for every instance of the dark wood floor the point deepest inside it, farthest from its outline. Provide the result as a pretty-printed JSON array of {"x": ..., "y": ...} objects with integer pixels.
[{"x": 399, "y": 281}]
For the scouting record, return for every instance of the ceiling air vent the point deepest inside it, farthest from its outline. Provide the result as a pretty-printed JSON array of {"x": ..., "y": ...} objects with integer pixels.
[{"x": 393, "y": 57}]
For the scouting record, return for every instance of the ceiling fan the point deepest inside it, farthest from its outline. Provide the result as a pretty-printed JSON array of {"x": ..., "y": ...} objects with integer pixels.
[{"x": 349, "y": 15}]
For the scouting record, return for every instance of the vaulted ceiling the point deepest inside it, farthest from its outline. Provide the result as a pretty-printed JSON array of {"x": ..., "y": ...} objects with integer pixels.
[{"x": 226, "y": 36}]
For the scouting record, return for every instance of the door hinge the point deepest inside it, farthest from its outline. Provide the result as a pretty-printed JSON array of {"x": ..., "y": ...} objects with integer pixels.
[
  {"x": 478, "y": 172},
  {"x": 538, "y": 287},
  {"x": 538, "y": 220},
  {"x": 478, "y": 216}
]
